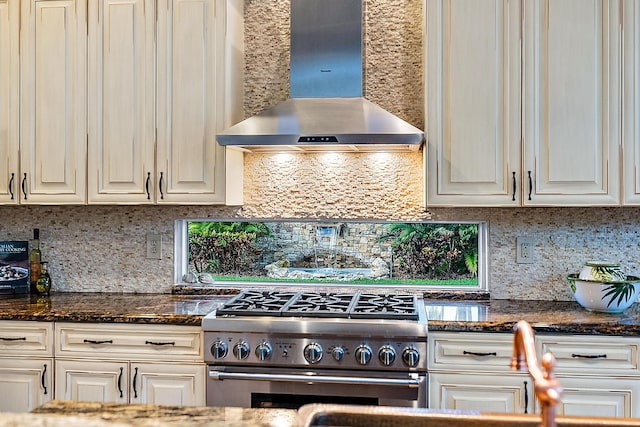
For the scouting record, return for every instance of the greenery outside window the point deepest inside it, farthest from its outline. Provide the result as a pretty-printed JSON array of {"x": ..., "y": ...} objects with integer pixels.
[{"x": 244, "y": 253}]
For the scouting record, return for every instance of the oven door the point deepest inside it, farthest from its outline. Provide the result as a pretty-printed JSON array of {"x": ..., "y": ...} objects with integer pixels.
[{"x": 251, "y": 387}]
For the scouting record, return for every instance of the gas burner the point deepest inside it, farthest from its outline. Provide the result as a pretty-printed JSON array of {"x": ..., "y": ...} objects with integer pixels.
[
  {"x": 320, "y": 304},
  {"x": 385, "y": 306},
  {"x": 256, "y": 303}
]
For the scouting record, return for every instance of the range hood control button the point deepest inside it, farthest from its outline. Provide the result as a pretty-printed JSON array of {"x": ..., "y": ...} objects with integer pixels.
[
  {"x": 241, "y": 350},
  {"x": 411, "y": 356},
  {"x": 313, "y": 352},
  {"x": 386, "y": 355},
  {"x": 263, "y": 351},
  {"x": 219, "y": 349},
  {"x": 363, "y": 354}
]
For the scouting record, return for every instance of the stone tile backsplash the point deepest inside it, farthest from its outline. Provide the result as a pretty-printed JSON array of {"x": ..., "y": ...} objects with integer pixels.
[{"x": 102, "y": 248}]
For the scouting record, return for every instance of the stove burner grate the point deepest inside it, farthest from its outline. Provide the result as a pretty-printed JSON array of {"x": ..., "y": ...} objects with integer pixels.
[
  {"x": 361, "y": 305},
  {"x": 256, "y": 303},
  {"x": 320, "y": 304},
  {"x": 385, "y": 306}
]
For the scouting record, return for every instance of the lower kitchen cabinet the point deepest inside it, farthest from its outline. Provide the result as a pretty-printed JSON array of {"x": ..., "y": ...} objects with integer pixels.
[
  {"x": 605, "y": 397},
  {"x": 26, "y": 365},
  {"x": 484, "y": 393},
  {"x": 600, "y": 375},
  {"x": 150, "y": 364},
  {"x": 471, "y": 371},
  {"x": 130, "y": 382},
  {"x": 25, "y": 383},
  {"x": 92, "y": 381}
]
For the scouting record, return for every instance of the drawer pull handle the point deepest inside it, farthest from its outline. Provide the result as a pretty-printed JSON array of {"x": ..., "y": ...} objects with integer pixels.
[
  {"x": 13, "y": 338},
  {"x": 473, "y": 353},
  {"x": 160, "y": 343},
  {"x": 44, "y": 371},
  {"x": 99, "y": 341},
  {"x": 526, "y": 398},
  {"x": 589, "y": 356}
]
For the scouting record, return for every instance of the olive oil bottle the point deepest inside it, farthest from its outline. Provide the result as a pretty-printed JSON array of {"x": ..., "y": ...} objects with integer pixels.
[
  {"x": 43, "y": 285},
  {"x": 35, "y": 257}
]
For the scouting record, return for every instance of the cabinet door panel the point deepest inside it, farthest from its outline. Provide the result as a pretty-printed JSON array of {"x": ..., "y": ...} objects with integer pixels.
[
  {"x": 121, "y": 101},
  {"x": 572, "y": 84},
  {"x": 604, "y": 397},
  {"x": 631, "y": 103},
  {"x": 484, "y": 393},
  {"x": 25, "y": 384},
  {"x": 9, "y": 102},
  {"x": 53, "y": 79},
  {"x": 168, "y": 384},
  {"x": 92, "y": 381},
  {"x": 190, "y": 102},
  {"x": 473, "y": 102}
]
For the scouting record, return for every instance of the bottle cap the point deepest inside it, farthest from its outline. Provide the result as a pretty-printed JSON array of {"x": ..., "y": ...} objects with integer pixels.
[{"x": 36, "y": 233}]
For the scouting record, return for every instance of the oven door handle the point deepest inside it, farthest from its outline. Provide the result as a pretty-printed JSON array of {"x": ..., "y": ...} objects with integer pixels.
[{"x": 412, "y": 382}]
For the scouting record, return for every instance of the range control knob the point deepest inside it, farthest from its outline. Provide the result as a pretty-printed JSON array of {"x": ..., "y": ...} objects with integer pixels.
[
  {"x": 241, "y": 350},
  {"x": 411, "y": 356},
  {"x": 386, "y": 355},
  {"x": 313, "y": 352},
  {"x": 263, "y": 351},
  {"x": 363, "y": 354},
  {"x": 337, "y": 353},
  {"x": 219, "y": 349}
]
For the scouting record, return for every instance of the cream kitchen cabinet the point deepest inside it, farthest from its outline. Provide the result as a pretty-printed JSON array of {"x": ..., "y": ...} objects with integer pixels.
[
  {"x": 158, "y": 364},
  {"x": 599, "y": 374},
  {"x": 631, "y": 103},
  {"x": 469, "y": 371},
  {"x": 121, "y": 101},
  {"x": 9, "y": 102},
  {"x": 157, "y": 99},
  {"x": 129, "y": 382},
  {"x": 53, "y": 135},
  {"x": 26, "y": 365},
  {"x": 523, "y": 104}
]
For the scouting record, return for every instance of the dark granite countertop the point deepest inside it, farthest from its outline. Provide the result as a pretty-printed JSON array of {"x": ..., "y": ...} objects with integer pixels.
[
  {"x": 443, "y": 314},
  {"x": 113, "y": 414},
  {"x": 110, "y": 307}
]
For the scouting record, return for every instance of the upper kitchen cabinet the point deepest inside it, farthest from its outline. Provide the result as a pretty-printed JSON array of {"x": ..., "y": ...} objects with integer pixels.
[
  {"x": 523, "y": 103},
  {"x": 192, "y": 106},
  {"x": 157, "y": 96},
  {"x": 9, "y": 102},
  {"x": 53, "y": 102},
  {"x": 121, "y": 81},
  {"x": 631, "y": 102}
]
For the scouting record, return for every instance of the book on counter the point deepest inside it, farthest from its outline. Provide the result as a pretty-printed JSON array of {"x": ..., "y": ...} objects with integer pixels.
[{"x": 14, "y": 267}]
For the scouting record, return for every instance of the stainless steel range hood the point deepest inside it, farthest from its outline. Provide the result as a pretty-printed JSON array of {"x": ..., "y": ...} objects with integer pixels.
[{"x": 326, "y": 110}]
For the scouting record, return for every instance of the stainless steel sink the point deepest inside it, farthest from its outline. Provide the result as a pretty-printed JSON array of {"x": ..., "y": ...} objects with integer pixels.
[{"x": 317, "y": 415}]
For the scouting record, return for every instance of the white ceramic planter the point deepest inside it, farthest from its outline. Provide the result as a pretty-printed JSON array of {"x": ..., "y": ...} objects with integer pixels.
[{"x": 611, "y": 297}]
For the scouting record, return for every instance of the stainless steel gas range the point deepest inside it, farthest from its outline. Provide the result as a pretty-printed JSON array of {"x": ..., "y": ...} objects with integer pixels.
[{"x": 285, "y": 349}]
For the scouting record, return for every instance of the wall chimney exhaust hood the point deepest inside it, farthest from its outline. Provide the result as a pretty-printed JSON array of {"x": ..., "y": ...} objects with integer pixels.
[{"x": 326, "y": 110}]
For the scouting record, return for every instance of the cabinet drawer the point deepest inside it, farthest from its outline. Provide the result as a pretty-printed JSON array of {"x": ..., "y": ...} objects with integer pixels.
[
  {"x": 470, "y": 351},
  {"x": 592, "y": 355},
  {"x": 139, "y": 342},
  {"x": 25, "y": 338}
]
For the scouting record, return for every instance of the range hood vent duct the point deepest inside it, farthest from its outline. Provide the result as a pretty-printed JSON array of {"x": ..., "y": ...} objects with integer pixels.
[{"x": 326, "y": 110}]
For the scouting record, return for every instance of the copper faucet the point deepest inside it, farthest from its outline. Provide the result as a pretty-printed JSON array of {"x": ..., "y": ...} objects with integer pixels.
[{"x": 547, "y": 388}]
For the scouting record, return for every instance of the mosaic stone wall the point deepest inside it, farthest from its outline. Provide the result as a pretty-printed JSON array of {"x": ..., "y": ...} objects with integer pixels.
[{"x": 102, "y": 248}]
